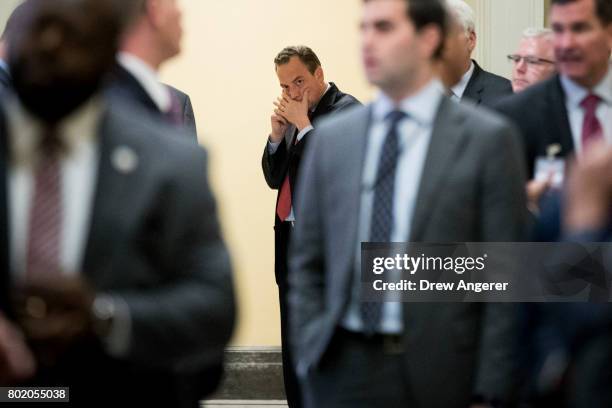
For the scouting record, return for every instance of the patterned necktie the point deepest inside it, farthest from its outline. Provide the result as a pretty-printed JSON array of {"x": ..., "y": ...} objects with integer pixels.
[
  {"x": 174, "y": 115},
  {"x": 382, "y": 211},
  {"x": 591, "y": 127},
  {"x": 44, "y": 230}
]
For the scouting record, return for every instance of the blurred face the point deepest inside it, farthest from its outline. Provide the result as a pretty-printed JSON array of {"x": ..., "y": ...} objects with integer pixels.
[
  {"x": 452, "y": 65},
  {"x": 167, "y": 18},
  {"x": 295, "y": 78},
  {"x": 392, "y": 51},
  {"x": 535, "y": 62},
  {"x": 465, "y": 42},
  {"x": 582, "y": 44}
]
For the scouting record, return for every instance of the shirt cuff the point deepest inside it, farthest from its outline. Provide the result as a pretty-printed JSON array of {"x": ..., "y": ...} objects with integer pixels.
[
  {"x": 272, "y": 146},
  {"x": 117, "y": 342},
  {"x": 303, "y": 132}
]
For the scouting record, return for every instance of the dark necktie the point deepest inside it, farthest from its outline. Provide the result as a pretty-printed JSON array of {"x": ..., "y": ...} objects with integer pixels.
[
  {"x": 174, "y": 115},
  {"x": 591, "y": 127},
  {"x": 283, "y": 207},
  {"x": 44, "y": 237},
  {"x": 382, "y": 210}
]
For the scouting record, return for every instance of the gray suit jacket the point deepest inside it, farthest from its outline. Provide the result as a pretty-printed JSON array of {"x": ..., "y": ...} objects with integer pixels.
[
  {"x": 472, "y": 190},
  {"x": 155, "y": 241}
]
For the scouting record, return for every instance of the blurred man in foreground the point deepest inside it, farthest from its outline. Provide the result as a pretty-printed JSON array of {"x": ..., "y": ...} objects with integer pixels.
[{"x": 111, "y": 249}]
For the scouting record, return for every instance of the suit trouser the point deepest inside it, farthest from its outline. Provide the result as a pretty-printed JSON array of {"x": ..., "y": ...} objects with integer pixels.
[
  {"x": 292, "y": 385},
  {"x": 360, "y": 372}
]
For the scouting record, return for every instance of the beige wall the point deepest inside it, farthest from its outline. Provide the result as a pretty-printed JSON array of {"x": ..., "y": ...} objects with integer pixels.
[{"x": 227, "y": 69}]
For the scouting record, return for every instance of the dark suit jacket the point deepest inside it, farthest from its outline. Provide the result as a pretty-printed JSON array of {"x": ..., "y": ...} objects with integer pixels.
[
  {"x": 485, "y": 87},
  {"x": 5, "y": 79},
  {"x": 541, "y": 116},
  {"x": 472, "y": 190},
  {"x": 155, "y": 241},
  {"x": 287, "y": 157},
  {"x": 123, "y": 84}
]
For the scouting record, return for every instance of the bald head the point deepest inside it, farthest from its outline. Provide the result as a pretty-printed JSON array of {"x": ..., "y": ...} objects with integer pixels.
[{"x": 60, "y": 52}]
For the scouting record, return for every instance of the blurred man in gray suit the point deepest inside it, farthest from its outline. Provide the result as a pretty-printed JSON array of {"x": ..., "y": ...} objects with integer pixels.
[
  {"x": 110, "y": 244},
  {"x": 411, "y": 166}
]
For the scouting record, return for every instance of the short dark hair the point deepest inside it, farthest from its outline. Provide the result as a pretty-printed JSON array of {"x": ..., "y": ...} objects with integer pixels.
[
  {"x": 603, "y": 9},
  {"x": 428, "y": 12},
  {"x": 304, "y": 53}
]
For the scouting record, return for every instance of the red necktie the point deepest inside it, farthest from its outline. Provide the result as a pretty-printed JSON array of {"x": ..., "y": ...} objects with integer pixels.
[
  {"x": 283, "y": 207},
  {"x": 591, "y": 127},
  {"x": 43, "y": 252}
]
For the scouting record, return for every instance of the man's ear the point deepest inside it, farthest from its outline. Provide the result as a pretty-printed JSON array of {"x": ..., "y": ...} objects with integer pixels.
[
  {"x": 471, "y": 35},
  {"x": 152, "y": 8},
  {"x": 318, "y": 74}
]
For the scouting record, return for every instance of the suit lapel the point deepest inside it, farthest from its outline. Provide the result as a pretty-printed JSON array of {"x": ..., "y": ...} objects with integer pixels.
[
  {"x": 446, "y": 138},
  {"x": 113, "y": 197},
  {"x": 558, "y": 116},
  {"x": 475, "y": 86},
  {"x": 351, "y": 177}
]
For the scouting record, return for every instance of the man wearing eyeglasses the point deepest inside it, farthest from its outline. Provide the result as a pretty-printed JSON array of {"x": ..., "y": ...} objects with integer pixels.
[
  {"x": 573, "y": 109},
  {"x": 534, "y": 61}
]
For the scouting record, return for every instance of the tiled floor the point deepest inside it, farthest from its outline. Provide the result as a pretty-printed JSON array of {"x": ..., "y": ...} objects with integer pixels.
[{"x": 244, "y": 404}]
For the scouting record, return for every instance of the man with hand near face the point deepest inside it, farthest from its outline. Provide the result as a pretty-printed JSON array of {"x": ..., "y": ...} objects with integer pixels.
[{"x": 305, "y": 98}]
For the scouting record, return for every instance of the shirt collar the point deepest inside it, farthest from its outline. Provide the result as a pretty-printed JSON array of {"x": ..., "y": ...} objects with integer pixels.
[
  {"x": 421, "y": 107},
  {"x": 25, "y": 130},
  {"x": 575, "y": 93},
  {"x": 4, "y": 66},
  {"x": 148, "y": 79},
  {"x": 459, "y": 88},
  {"x": 317, "y": 105}
]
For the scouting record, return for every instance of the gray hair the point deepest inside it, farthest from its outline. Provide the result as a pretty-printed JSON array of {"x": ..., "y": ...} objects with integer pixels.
[
  {"x": 537, "y": 32},
  {"x": 463, "y": 14}
]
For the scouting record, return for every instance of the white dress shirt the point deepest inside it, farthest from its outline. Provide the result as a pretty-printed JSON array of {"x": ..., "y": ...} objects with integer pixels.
[
  {"x": 574, "y": 95},
  {"x": 459, "y": 89},
  {"x": 415, "y": 134},
  {"x": 148, "y": 79},
  {"x": 78, "y": 172}
]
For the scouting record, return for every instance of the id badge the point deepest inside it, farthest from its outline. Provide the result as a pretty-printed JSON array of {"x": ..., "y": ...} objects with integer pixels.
[{"x": 550, "y": 169}]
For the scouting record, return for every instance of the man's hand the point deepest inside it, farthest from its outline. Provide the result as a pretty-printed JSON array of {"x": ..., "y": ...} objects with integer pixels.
[
  {"x": 589, "y": 191},
  {"x": 535, "y": 191},
  {"x": 16, "y": 360},
  {"x": 294, "y": 112},
  {"x": 279, "y": 127},
  {"x": 55, "y": 313}
]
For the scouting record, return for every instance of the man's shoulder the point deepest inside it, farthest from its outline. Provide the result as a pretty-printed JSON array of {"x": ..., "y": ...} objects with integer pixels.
[
  {"x": 494, "y": 80},
  {"x": 352, "y": 116},
  {"x": 137, "y": 126},
  {"x": 529, "y": 102},
  {"x": 341, "y": 99},
  {"x": 475, "y": 119}
]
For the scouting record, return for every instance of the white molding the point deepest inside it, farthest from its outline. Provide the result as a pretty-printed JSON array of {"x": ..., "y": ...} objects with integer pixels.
[{"x": 499, "y": 24}]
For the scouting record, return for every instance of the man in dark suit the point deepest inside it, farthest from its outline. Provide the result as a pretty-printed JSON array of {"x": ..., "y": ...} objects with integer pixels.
[
  {"x": 556, "y": 111},
  {"x": 411, "y": 167},
  {"x": 306, "y": 97},
  {"x": 113, "y": 251},
  {"x": 476, "y": 85},
  {"x": 153, "y": 38}
]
